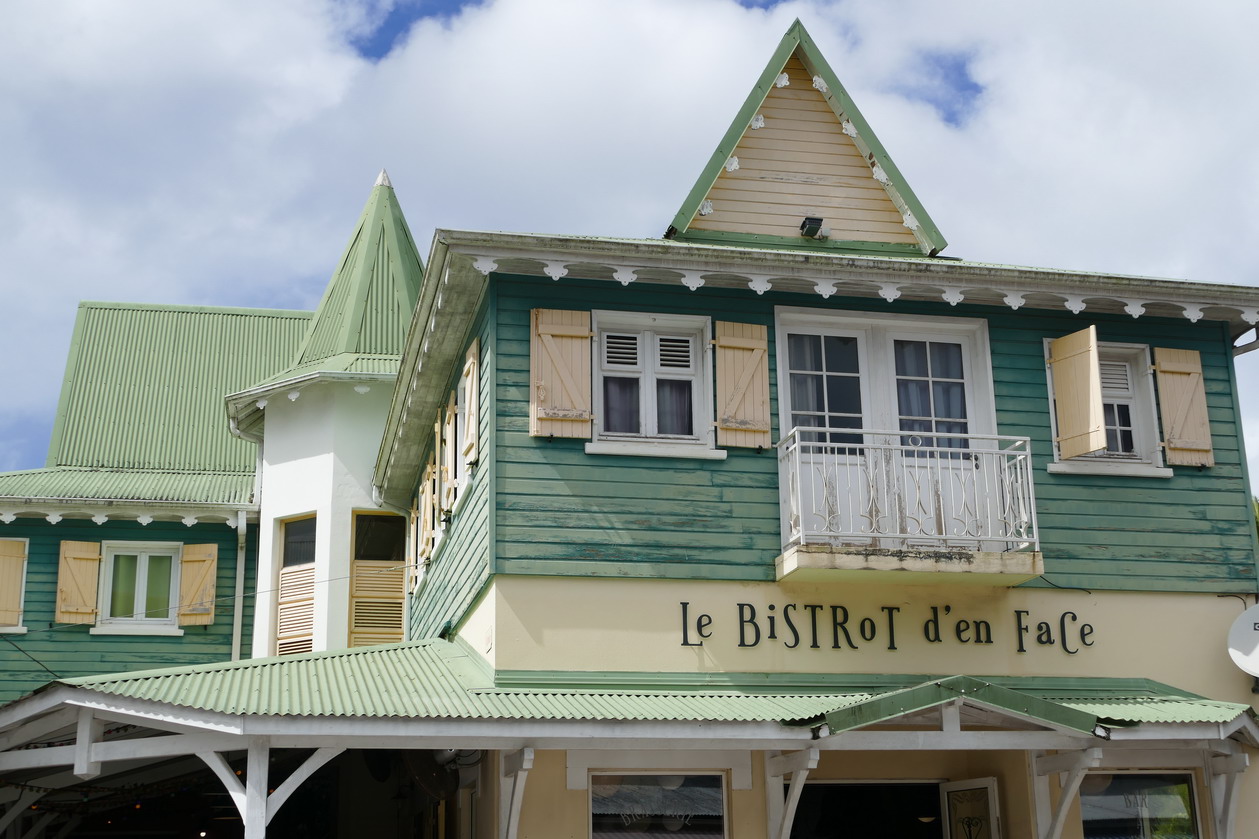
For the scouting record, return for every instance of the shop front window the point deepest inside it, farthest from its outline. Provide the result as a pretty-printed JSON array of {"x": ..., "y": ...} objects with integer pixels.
[
  {"x": 663, "y": 806},
  {"x": 1138, "y": 806}
]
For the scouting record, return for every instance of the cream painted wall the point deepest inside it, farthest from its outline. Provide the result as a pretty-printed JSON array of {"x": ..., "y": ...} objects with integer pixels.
[
  {"x": 477, "y": 629},
  {"x": 318, "y": 454},
  {"x": 636, "y": 625}
]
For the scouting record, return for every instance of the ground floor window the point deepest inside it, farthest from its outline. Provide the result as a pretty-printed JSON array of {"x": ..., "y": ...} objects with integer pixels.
[
  {"x": 1138, "y": 806},
  {"x": 837, "y": 811},
  {"x": 663, "y": 806}
]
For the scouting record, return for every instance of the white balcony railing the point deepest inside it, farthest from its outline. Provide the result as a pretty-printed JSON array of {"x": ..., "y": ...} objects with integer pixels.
[{"x": 907, "y": 490}]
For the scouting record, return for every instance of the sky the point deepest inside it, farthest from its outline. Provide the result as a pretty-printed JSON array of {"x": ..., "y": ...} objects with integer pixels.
[{"x": 218, "y": 152}]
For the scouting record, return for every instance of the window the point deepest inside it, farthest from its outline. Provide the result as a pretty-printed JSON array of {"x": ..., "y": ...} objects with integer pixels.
[
  {"x": 652, "y": 375},
  {"x": 377, "y": 579},
  {"x": 139, "y": 585},
  {"x": 12, "y": 585},
  {"x": 1124, "y": 437},
  {"x": 1138, "y": 806},
  {"x": 656, "y": 805}
]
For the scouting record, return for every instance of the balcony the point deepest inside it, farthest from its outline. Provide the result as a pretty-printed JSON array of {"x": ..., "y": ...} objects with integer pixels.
[{"x": 863, "y": 504}]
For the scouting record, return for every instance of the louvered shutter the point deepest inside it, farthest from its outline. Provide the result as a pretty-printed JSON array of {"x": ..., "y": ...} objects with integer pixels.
[
  {"x": 198, "y": 570},
  {"x": 559, "y": 374},
  {"x": 376, "y": 599},
  {"x": 428, "y": 519},
  {"x": 12, "y": 580},
  {"x": 471, "y": 403},
  {"x": 742, "y": 385},
  {"x": 1077, "y": 394},
  {"x": 1183, "y": 407},
  {"x": 78, "y": 575},
  {"x": 450, "y": 448},
  {"x": 295, "y": 618}
]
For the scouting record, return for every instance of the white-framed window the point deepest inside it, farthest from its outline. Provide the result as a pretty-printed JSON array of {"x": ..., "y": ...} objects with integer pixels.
[
  {"x": 13, "y": 556},
  {"x": 139, "y": 586},
  {"x": 1139, "y": 805},
  {"x": 1129, "y": 416},
  {"x": 652, "y": 384},
  {"x": 657, "y": 804}
]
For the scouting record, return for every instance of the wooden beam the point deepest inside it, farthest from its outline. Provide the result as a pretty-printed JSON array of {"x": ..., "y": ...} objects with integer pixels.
[
  {"x": 786, "y": 764},
  {"x": 38, "y": 828},
  {"x": 256, "y": 766},
  {"x": 309, "y": 767},
  {"x": 26, "y": 799},
  {"x": 229, "y": 779},
  {"x": 1225, "y": 773},
  {"x": 516, "y": 766},
  {"x": 38, "y": 727},
  {"x": 88, "y": 733},
  {"x": 1074, "y": 764}
]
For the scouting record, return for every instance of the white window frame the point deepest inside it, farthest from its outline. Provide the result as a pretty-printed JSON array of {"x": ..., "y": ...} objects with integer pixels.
[
  {"x": 875, "y": 333},
  {"x": 702, "y": 443},
  {"x": 1147, "y": 459},
  {"x": 661, "y": 773},
  {"x": 20, "y": 627},
  {"x": 1200, "y": 798},
  {"x": 167, "y": 625}
]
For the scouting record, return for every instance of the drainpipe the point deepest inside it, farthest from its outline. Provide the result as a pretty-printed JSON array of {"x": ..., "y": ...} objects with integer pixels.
[{"x": 238, "y": 607}]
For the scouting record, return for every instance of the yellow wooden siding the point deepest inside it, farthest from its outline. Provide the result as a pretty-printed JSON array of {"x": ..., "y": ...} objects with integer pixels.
[
  {"x": 559, "y": 374},
  {"x": 198, "y": 569},
  {"x": 295, "y": 618},
  {"x": 376, "y": 599},
  {"x": 12, "y": 580},
  {"x": 1077, "y": 394},
  {"x": 1183, "y": 408},
  {"x": 801, "y": 164},
  {"x": 471, "y": 403},
  {"x": 78, "y": 574},
  {"x": 742, "y": 385}
]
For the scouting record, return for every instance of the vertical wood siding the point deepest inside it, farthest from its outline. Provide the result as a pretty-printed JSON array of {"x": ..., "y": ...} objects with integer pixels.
[{"x": 70, "y": 651}]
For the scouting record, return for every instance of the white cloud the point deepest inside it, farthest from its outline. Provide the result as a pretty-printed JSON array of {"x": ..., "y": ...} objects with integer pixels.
[{"x": 219, "y": 152}]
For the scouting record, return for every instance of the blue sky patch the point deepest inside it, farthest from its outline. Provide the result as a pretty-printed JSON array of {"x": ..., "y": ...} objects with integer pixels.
[
  {"x": 943, "y": 80},
  {"x": 399, "y": 19}
]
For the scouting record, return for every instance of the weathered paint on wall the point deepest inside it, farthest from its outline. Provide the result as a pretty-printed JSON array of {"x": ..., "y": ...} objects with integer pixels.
[{"x": 66, "y": 651}]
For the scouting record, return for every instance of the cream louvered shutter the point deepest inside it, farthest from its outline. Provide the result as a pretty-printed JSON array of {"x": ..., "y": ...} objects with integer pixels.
[
  {"x": 198, "y": 570},
  {"x": 78, "y": 574},
  {"x": 742, "y": 385},
  {"x": 428, "y": 520},
  {"x": 1077, "y": 394},
  {"x": 12, "y": 580},
  {"x": 376, "y": 599},
  {"x": 1183, "y": 407},
  {"x": 559, "y": 374},
  {"x": 450, "y": 447},
  {"x": 471, "y": 404},
  {"x": 295, "y": 618}
]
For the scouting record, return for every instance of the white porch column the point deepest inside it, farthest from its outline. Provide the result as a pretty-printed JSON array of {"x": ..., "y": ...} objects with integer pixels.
[{"x": 256, "y": 765}]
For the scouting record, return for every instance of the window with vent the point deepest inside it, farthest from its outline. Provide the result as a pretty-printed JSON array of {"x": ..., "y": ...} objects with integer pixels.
[{"x": 651, "y": 380}]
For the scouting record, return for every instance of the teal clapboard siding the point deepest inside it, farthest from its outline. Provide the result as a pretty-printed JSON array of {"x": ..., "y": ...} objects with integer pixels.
[
  {"x": 50, "y": 650},
  {"x": 559, "y": 511},
  {"x": 461, "y": 564}
]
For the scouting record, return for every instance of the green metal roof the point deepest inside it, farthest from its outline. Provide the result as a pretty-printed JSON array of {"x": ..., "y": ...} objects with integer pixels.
[
  {"x": 77, "y": 483},
  {"x": 363, "y": 317},
  {"x": 440, "y": 679}
]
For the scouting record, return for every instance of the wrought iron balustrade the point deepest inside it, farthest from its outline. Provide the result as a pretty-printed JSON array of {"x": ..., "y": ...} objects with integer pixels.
[{"x": 907, "y": 490}]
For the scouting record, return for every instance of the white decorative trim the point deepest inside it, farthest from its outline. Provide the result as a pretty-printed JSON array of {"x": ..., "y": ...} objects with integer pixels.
[
  {"x": 1014, "y": 299},
  {"x": 362, "y": 390},
  {"x": 100, "y": 518},
  {"x": 705, "y": 207},
  {"x": 1075, "y": 303},
  {"x": 824, "y": 287},
  {"x": 758, "y": 121},
  {"x": 782, "y": 81},
  {"x": 8, "y": 518},
  {"x": 819, "y": 83},
  {"x": 889, "y": 291},
  {"x": 53, "y": 518},
  {"x": 189, "y": 520},
  {"x": 293, "y": 395},
  {"x": 485, "y": 264},
  {"x": 135, "y": 629},
  {"x": 1108, "y": 467},
  {"x": 849, "y": 128},
  {"x": 760, "y": 284},
  {"x": 1134, "y": 308},
  {"x": 1193, "y": 311},
  {"x": 732, "y": 164},
  {"x": 879, "y": 174},
  {"x": 1251, "y": 316},
  {"x": 13, "y": 630},
  {"x": 692, "y": 279},
  {"x": 555, "y": 269},
  {"x": 260, "y": 404},
  {"x": 910, "y": 222},
  {"x": 952, "y": 296},
  {"x": 624, "y": 276},
  {"x": 144, "y": 520},
  {"x": 651, "y": 448}
]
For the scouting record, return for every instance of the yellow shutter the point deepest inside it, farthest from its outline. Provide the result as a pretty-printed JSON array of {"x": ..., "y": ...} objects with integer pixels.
[
  {"x": 77, "y": 576},
  {"x": 1077, "y": 394},
  {"x": 471, "y": 403},
  {"x": 12, "y": 580},
  {"x": 198, "y": 571},
  {"x": 449, "y": 453},
  {"x": 1183, "y": 408},
  {"x": 742, "y": 385},
  {"x": 428, "y": 519},
  {"x": 295, "y": 615},
  {"x": 559, "y": 374},
  {"x": 376, "y": 599}
]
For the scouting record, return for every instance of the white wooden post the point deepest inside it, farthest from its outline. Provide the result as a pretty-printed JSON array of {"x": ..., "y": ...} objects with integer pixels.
[
  {"x": 797, "y": 764},
  {"x": 88, "y": 733},
  {"x": 516, "y": 767},
  {"x": 1225, "y": 772},
  {"x": 1072, "y": 765},
  {"x": 256, "y": 765}
]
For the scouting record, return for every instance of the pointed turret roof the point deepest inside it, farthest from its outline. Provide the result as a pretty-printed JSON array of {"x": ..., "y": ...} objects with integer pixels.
[
  {"x": 799, "y": 149},
  {"x": 360, "y": 325}
]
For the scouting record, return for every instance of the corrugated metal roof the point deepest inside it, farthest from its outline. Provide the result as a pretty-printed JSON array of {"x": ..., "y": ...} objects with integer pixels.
[
  {"x": 144, "y": 386},
  {"x": 438, "y": 679},
  {"x": 85, "y": 484}
]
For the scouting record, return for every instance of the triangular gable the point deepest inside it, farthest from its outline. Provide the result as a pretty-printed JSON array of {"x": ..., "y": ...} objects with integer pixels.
[{"x": 797, "y": 149}]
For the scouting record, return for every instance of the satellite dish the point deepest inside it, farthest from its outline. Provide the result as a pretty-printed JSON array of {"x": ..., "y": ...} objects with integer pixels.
[{"x": 1243, "y": 641}]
